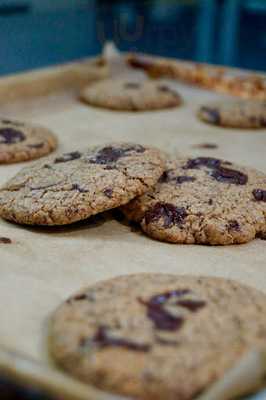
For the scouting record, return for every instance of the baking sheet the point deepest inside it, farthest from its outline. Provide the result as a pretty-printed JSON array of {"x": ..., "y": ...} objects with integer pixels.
[{"x": 43, "y": 266}]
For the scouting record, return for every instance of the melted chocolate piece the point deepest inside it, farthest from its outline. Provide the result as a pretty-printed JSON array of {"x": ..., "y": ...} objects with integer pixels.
[
  {"x": 233, "y": 225},
  {"x": 132, "y": 85},
  {"x": 161, "y": 318},
  {"x": 207, "y": 146},
  {"x": 79, "y": 189},
  {"x": 227, "y": 175},
  {"x": 208, "y": 162},
  {"x": 108, "y": 192},
  {"x": 74, "y": 155},
  {"x": 102, "y": 339},
  {"x": 11, "y": 136},
  {"x": 261, "y": 235},
  {"x": 212, "y": 115},
  {"x": 5, "y": 240},
  {"x": 171, "y": 215},
  {"x": 259, "y": 194},
  {"x": 192, "y": 305},
  {"x": 36, "y": 146},
  {"x": 111, "y": 154}
]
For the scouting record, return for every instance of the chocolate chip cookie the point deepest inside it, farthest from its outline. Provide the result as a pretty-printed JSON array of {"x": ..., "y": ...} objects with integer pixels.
[
  {"x": 21, "y": 141},
  {"x": 235, "y": 114},
  {"x": 71, "y": 187},
  {"x": 203, "y": 200},
  {"x": 125, "y": 95},
  {"x": 156, "y": 336}
]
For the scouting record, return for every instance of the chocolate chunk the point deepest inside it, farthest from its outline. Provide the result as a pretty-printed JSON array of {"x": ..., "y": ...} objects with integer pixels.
[
  {"x": 212, "y": 115},
  {"x": 259, "y": 194},
  {"x": 233, "y": 225},
  {"x": 5, "y": 240},
  {"x": 11, "y": 136},
  {"x": 208, "y": 162},
  {"x": 161, "y": 318},
  {"x": 227, "y": 175},
  {"x": 74, "y": 155},
  {"x": 111, "y": 154},
  {"x": 102, "y": 339},
  {"x": 210, "y": 202},
  {"x": 108, "y": 192},
  {"x": 167, "y": 177},
  {"x": 79, "y": 189},
  {"x": 191, "y": 304},
  {"x": 207, "y": 146},
  {"x": 171, "y": 215},
  {"x": 132, "y": 85},
  {"x": 261, "y": 235},
  {"x": 36, "y": 146}
]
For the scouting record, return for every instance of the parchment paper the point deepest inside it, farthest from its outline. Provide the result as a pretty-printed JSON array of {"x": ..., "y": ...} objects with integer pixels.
[{"x": 44, "y": 266}]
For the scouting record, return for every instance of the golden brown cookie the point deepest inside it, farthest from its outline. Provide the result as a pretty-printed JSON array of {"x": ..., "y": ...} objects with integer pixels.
[
  {"x": 70, "y": 187},
  {"x": 21, "y": 141},
  {"x": 127, "y": 95},
  {"x": 156, "y": 336},
  {"x": 235, "y": 114},
  {"x": 203, "y": 200}
]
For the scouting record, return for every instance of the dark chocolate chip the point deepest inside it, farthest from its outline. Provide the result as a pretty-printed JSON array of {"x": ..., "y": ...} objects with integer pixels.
[
  {"x": 164, "y": 297},
  {"x": 108, "y": 192},
  {"x": 212, "y": 114},
  {"x": 171, "y": 215},
  {"x": 233, "y": 225},
  {"x": 36, "y": 146},
  {"x": 5, "y": 240},
  {"x": 79, "y": 189},
  {"x": 207, "y": 146},
  {"x": 227, "y": 175},
  {"x": 132, "y": 85},
  {"x": 259, "y": 195},
  {"x": 11, "y": 136},
  {"x": 261, "y": 235},
  {"x": 210, "y": 202},
  {"x": 111, "y": 154},
  {"x": 102, "y": 339},
  {"x": 74, "y": 155},
  {"x": 198, "y": 162},
  {"x": 191, "y": 305},
  {"x": 167, "y": 177}
]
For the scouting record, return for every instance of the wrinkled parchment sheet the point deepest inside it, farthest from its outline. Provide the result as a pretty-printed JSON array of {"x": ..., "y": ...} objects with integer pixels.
[{"x": 43, "y": 266}]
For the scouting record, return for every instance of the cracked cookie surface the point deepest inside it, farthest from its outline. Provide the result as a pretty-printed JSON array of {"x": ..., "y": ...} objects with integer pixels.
[
  {"x": 73, "y": 186},
  {"x": 235, "y": 114},
  {"x": 130, "y": 95},
  {"x": 134, "y": 335},
  {"x": 203, "y": 200},
  {"x": 21, "y": 141}
]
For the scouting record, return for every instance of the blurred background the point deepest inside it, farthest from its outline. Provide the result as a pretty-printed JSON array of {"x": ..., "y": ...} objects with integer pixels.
[{"x": 36, "y": 33}]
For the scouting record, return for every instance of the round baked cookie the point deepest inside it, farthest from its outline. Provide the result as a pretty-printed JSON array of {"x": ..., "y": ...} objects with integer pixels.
[
  {"x": 21, "y": 141},
  {"x": 203, "y": 200},
  {"x": 71, "y": 187},
  {"x": 127, "y": 95},
  {"x": 156, "y": 336},
  {"x": 235, "y": 114}
]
